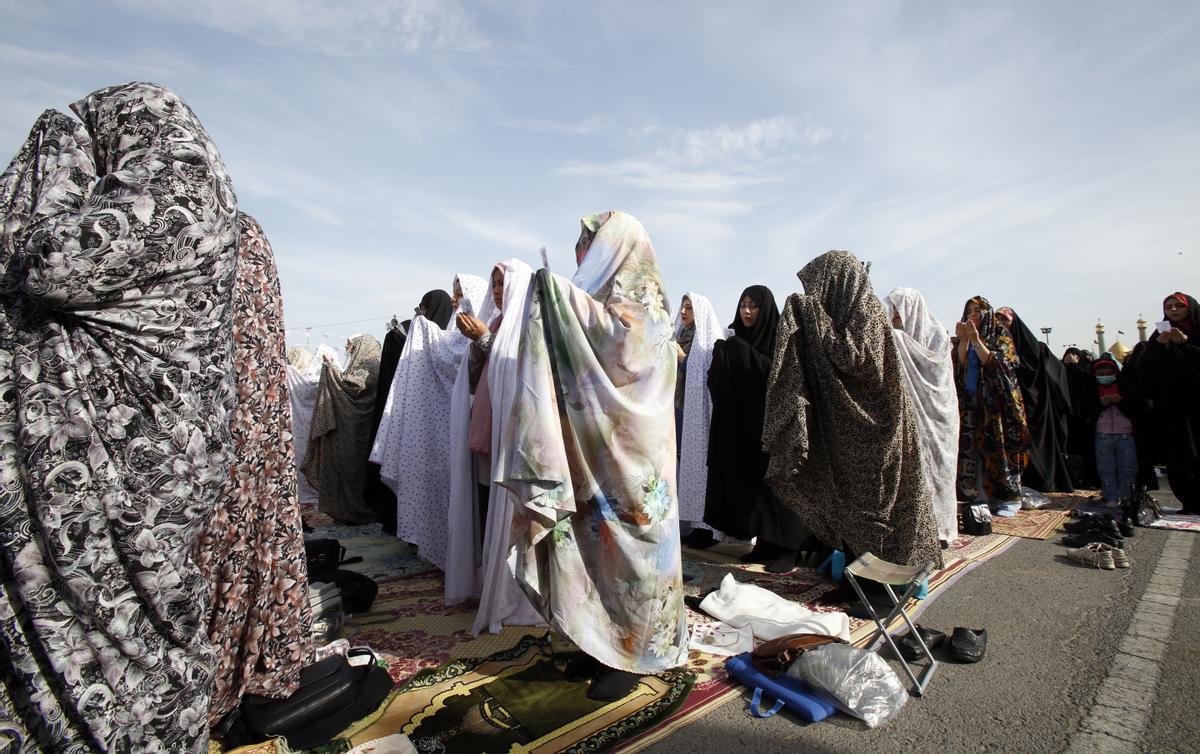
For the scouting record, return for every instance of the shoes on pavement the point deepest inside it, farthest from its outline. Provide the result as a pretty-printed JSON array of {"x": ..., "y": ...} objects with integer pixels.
[
  {"x": 910, "y": 648},
  {"x": 1086, "y": 538},
  {"x": 967, "y": 645},
  {"x": 1104, "y": 524},
  {"x": 1096, "y": 554}
]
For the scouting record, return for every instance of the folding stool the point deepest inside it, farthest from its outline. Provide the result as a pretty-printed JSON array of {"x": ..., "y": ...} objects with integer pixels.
[{"x": 872, "y": 568}]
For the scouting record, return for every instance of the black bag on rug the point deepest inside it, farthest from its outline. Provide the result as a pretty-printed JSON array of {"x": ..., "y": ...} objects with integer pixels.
[
  {"x": 977, "y": 519},
  {"x": 332, "y": 695},
  {"x": 324, "y": 556},
  {"x": 358, "y": 590}
]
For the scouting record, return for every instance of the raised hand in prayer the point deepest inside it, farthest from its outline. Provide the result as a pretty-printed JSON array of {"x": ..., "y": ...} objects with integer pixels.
[
  {"x": 1173, "y": 336},
  {"x": 967, "y": 331},
  {"x": 469, "y": 326}
]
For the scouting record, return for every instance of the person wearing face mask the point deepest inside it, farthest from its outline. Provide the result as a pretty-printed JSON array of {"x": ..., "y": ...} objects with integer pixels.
[
  {"x": 1113, "y": 410},
  {"x": 993, "y": 447},
  {"x": 1168, "y": 375}
]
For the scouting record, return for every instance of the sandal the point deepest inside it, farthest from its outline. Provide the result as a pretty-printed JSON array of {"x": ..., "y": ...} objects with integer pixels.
[
  {"x": 910, "y": 648},
  {"x": 968, "y": 645}
]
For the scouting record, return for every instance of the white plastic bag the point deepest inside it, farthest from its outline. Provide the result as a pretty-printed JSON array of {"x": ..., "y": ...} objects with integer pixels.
[
  {"x": 1031, "y": 499},
  {"x": 861, "y": 682}
]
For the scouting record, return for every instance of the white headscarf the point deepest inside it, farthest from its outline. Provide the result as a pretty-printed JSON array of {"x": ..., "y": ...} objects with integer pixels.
[
  {"x": 697, "y": 410},
  {"x": 924, "y": 347},
  {"x": 501, "y": 601},
  {"x": 412, "y": 446},
  {"x": 476, "y": 290}
]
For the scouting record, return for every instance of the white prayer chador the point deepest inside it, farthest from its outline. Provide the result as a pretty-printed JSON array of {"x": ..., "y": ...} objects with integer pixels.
[
  {"x": 302, "y": 393},
  {"x": 474, "y": 568},
  {"x": 697, "y": 411},
  {"x": 924, "y": 347},
  {"x": 412, "y": 447}
]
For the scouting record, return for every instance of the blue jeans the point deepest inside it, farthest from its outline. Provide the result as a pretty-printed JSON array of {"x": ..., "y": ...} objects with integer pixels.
[{"x": 1116, "y": 459}]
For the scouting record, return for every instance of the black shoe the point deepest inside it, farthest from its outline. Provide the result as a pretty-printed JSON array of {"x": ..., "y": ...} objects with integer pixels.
[
  {"x": 612, "y": 685},
  {"x": 909, "y": 647},
  {"x": 1105, "y": 524},
  {"x": 1126, "y": 527},
  {"x": 762, "y": 553},
  {"x": 785, "y": 563},
  {"x": 967, "y": 645},
  {"x": 1085, "y": 539},
  {"x": 699, "y": 539}
]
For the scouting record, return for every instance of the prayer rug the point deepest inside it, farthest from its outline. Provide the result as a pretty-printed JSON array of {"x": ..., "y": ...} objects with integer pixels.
[
  {"x": 518, "y": 700},
  {"x": 1042, "y": 523},
  {"x": 413, "y": 630},
  {"x": 1173, "y": 519}
]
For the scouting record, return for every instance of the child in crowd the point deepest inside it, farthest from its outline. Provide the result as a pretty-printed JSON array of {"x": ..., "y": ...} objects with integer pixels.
[{"x": 1113, "y": 411}]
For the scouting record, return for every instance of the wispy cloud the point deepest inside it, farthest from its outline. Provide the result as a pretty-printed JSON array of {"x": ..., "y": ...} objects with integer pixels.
[
  {"x": 586, "y": 127},
  {"x": 332, "y": 27},
  {"x": 724, "y": 158}
]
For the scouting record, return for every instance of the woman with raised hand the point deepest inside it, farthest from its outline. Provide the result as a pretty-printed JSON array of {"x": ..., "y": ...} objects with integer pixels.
[
  {"x": 1168, "y": 373},
  {"x": 412, "y": 446},
  {"x": 993, "y": 444},
  {"x": 1046, "y": 393},
  {"x": 592, "y": 460}
]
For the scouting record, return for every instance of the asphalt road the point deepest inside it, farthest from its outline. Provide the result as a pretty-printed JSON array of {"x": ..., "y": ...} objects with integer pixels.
[{"x": 1054, "y": 628}]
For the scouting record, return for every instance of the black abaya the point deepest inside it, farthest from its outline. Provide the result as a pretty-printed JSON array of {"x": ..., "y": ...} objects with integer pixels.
[
  {"x": 379, "y": 496},
  {"x": 1047, "y": 397},
  {"x": 1169, "y": 377},
  {"x": 737, "y": 383}
]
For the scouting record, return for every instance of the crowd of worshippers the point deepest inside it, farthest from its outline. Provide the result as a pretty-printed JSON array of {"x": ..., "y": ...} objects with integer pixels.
[{"x": 540, "y": 438}]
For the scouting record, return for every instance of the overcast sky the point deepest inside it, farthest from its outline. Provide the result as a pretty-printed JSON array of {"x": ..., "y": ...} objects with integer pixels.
[{"x": 1043, "y": 154}]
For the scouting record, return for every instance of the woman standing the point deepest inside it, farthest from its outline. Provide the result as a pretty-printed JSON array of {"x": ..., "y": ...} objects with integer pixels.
[
  {"x": 477, "y": 564},
  {"x": 1046, "y": 393},
  {"x": 993, "y": 447},
  {"x": 737, "y": 383},
  {"x": 336, "y": 459},
  {"x": 924, "y": 349},
  {"x": 841, "y": 429},
  {"x": 252, "y": 549},
  {"x": 697, "y": 331},
  {"x": 592, "y": 459},
  {"x": 1169, "y": 373}
]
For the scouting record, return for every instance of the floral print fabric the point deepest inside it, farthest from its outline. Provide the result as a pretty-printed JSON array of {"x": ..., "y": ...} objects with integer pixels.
[
  {"x": 252, "y": 551},
  {"x": 591, "y": 457},
  {"x": 993, "y": 447},
  {"x": 117, "y": 258}
]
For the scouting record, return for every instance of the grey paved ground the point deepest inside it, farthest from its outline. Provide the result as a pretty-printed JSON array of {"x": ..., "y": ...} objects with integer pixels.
[{"x": 1054, "y": 628}]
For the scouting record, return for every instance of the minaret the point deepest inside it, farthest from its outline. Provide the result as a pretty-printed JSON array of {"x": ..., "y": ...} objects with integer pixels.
[
  {"x": 1141, "y": 325},
  {"x": 1100, "y": 337}
]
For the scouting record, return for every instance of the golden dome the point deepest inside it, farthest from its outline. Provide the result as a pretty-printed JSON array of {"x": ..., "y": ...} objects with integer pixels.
[{"x": 1119, "y": 351}]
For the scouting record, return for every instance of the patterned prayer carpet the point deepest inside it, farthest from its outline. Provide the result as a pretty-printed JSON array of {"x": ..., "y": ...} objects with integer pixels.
[
  {"x": 1044, "y": 522},
  {"x": 518, "y": 700},
  {"x": 1173, "y": 519},
  {"x": 412, "y": 628}
]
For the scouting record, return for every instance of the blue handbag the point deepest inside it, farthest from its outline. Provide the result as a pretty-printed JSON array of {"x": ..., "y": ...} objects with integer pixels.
[{"x": 811, "y": 706}]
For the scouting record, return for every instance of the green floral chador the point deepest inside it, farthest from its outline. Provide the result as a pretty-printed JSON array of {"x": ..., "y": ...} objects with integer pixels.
[{"x": 592, "y": 456}]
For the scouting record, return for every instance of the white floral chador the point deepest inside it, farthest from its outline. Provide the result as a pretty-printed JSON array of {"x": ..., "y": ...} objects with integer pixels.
[{"x": 591, "y": 458}]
